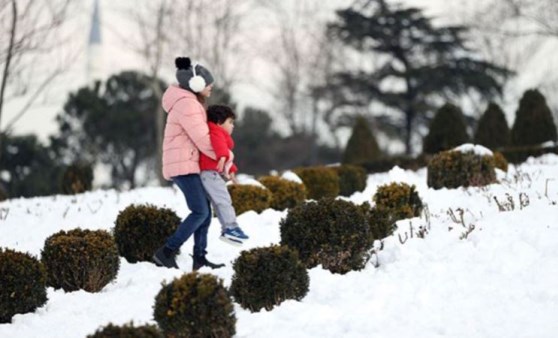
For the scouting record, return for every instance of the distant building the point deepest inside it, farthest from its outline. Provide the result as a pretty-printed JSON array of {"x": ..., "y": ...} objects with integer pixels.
[{"x": 95, "y": 64}]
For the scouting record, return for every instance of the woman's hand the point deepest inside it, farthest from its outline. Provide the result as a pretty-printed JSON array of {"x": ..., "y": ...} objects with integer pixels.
[{"x": 221, "y": 164}]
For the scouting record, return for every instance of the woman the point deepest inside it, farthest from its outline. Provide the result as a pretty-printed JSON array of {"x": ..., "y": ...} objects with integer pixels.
[{"x": 187, "y": 134}]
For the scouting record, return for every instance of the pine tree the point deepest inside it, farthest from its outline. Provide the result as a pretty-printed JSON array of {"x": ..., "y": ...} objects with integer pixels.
[
  {"x": 533, "y": 121},
  {"x": 425, "y": 60},
  {"x": 447, "y": 130},
  {"x": 362, "y": 145},
  {"x": 493, "y": 131}
]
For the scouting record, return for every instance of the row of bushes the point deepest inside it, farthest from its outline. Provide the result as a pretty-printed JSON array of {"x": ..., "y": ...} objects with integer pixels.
[{"x": 281, "y": 194}]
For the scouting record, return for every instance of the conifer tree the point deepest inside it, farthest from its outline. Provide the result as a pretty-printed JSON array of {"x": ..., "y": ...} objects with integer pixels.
[
  {"x": 492, "y": 130},
  {"x": 362, "y": 145},
  {"x": 418, "y": 62},
  {"x": 447, "y": 130},
  {"x": 533, "y": 121}
]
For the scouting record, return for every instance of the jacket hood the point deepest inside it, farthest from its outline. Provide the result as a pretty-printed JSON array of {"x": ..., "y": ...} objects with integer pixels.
[{"x": 174, "y": 94}]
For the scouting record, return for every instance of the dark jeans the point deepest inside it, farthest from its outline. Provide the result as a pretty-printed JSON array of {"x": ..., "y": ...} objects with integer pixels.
[{"x": 197, "y": 222}]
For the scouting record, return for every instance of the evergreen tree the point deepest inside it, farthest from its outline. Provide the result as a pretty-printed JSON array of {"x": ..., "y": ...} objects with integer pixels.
[
  {"x": 252, "y": 137},
  {"x": 492, "y": 130},
  {"x": 362, "y": 146},
  {"x": 447, "y": 130},
  {"x": 426, "y": 61},
  {"x": 533, "y": 121},
  {"x": 28, "y": 168},
  {"x": 113, "y": 124}
]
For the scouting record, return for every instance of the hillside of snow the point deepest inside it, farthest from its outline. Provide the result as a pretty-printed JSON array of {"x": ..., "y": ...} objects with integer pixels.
[{"x": 492, "y": 275}]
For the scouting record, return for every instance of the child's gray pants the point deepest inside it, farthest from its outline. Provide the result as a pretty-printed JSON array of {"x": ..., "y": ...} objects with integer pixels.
[{"x": 216, "y": 189}]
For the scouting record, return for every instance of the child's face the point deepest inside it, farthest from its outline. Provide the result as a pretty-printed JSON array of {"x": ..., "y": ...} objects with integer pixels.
[{"x": 228, "y": 125}]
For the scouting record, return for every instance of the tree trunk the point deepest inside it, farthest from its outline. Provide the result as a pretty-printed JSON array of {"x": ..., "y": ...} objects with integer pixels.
[
  {"x": 6, "y": 71},
  {"x": 409, "y": 114}
]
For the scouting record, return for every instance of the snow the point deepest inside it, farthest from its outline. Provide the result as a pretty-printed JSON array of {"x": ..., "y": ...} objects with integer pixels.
[
  {"x": 549, "y": 144},
  {"x": 291, "y": 176},
  {"x": 499, "y": 281},
  {"x": 474, "y": 148},
  {"x": 247, "y": 180}
]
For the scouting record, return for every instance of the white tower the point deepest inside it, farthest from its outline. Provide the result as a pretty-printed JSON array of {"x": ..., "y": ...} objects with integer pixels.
[{"x": 95, "y": 64}]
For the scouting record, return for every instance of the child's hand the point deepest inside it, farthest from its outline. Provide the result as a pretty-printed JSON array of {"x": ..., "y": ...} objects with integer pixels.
[{"x": 221, "y": 165}]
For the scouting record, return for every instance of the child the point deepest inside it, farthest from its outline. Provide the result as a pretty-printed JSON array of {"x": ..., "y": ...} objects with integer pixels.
[{"x": 213, "y": 173}]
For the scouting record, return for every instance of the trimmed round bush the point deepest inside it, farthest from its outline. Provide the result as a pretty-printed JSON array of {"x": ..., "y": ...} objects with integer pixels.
[
  {"x": 500, "y": 161},
  {"x": 330, "y": 232},
  {"x": 265, "y": 277},
  {"x": 195, "y": 305},
  {"x": 141, "y": 229},
  {"x": 320, "y": 182},
  {"x": 77, "y": 178},
  {"x": 399, "y": 199},
  {"x": 352, "y": 178},
  {"x": 453, "y": 169},
  {"x": 286, "y": 194},
  {"x": 247, "y": 197},
  {"x": 380, "y": 220},
  {"x": 447, "y": 130},
  {"x": 22, "y": 284},
  {"x": 127, "y": 331},
  {"x": 80, "y": 260}
]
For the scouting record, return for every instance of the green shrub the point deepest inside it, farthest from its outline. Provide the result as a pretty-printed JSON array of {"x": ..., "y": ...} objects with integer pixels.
[
  {"x": 22, "y": 284},
  {"x": 453, "y": 169},
  {"x": 447, "y": 130},
  {"x": 492, "y": 130},
  {"x": 286, "y": 194},
  {"x": 80, "y": 259},
  {"x": 250, "y": 197},
  {"x": 533, "y": 123},
  {"x": 362, "y": 145},
  {"x": 127, "y": 331},
  {"x": 320, "y": 182},
  {"x": 500, "y": 161},
  {"x": 77, "y": 178},
  {"x": 141, "y": 229},
  {"x": 380, "y": 220},
  {"x": 352, "y": 178},
  {"x": 265, "y": 277},
  {"x": 399, "y": 199},
  {"x": 330, "y": 232},
  {"x": 195, "y": 305}
]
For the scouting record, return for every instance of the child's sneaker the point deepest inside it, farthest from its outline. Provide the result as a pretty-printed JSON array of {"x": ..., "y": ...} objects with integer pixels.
[
  {"x": 235, "y": 242},
  {"x": 234, "y": 236}
]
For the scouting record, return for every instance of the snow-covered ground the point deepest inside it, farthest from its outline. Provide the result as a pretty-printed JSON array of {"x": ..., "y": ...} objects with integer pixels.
[{"x": 499, "y": 281}]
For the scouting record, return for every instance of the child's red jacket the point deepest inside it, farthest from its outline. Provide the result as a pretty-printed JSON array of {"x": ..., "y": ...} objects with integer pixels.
[{"x": 223, "y": 145}]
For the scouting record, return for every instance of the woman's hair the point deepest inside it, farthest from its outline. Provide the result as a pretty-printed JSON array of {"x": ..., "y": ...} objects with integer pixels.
[
  {"x": 219, "y": 113},
  {"x": 202, "y": 100}
]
